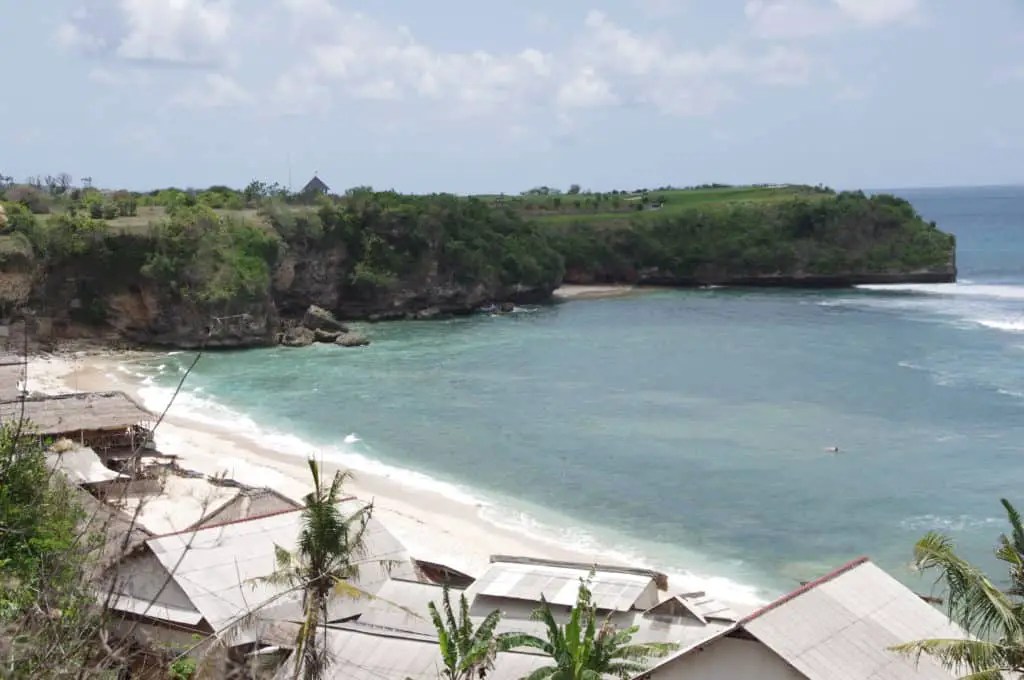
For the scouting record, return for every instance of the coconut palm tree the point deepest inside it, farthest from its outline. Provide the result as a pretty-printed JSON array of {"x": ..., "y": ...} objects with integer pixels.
[
  {"x": 581, "y": 650},
  {"x": 330, "y": 552},
  {"x": 993, "y": 616},
  {"x": 468, "y": 652}
]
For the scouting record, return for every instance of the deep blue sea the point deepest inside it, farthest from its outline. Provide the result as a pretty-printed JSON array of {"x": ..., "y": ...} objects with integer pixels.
[{"x": 689, "y": 429}]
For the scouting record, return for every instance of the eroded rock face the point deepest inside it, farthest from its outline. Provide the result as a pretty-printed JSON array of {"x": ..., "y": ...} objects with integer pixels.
[
  {"x": 298, "y": 336},
  {"x": 352, "y": 339},
  {"x": 319, "y": 319},
  {"x": 147, "y": 318}
]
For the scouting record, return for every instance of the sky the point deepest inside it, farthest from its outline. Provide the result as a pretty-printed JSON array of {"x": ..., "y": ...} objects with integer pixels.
[{"x": 484, "y": 97}]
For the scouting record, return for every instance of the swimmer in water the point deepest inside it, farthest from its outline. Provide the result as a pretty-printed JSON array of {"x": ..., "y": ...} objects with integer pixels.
[{"x": 833, "y": 449}]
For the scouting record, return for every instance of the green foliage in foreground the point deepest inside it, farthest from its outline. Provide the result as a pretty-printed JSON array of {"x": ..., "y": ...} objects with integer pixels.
[
  {"x": 993, "y": 615},
  {"x": 585, "y": 648},
  {"x": 467, "y": 651},
  {"x": 48, "y": 617}
]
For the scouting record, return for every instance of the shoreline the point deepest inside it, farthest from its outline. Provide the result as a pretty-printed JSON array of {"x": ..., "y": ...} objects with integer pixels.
[
  {"x": 434, "y": 524},
  {"x": 572, "y": 291}
]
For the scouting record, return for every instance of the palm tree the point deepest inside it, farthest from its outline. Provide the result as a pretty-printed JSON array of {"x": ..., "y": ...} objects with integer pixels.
[
  {"x": 330, "y": 551},
  {"x": 994, "y": 617},
  {"x": 468, "y": 653},
  {"x": 580, "y": 650}
]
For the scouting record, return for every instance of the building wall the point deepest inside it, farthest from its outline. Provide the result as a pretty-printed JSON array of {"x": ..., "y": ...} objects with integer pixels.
[
  {"x": 729, "y": 659},
  {"x": 142, "y": 576}
]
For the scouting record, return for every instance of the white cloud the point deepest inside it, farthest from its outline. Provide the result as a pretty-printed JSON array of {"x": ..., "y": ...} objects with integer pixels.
[
  {"x": 72, "y": 38},
  {"x": 214, "y": 91},
  {"x": 878, "y": 12},
  {"x": 329, "y": 53},
  {"x": 586, "y": 90},
  {"x": 775, "y": 19},
  {"x": 174, "y": 31},
  {"x": 790, "y": 18}
]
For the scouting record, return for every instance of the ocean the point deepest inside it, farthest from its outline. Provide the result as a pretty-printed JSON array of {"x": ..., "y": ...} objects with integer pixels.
[{"x": 688, "y": 430}]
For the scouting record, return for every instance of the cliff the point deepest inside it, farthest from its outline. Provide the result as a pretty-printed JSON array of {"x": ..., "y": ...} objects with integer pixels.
[
  {"x": 827, "y": 240},
  {"x": 198, "y": 277}
]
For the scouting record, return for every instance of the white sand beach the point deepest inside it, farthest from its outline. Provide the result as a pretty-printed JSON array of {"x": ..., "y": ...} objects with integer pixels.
[
  {"x": 593, "y": 292},
  {"x": 432, "y": 525}
]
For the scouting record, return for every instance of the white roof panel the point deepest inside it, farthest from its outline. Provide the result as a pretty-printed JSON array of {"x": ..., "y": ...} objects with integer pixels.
[
  {"x": 841, "y": 627},
  {"x": 82, "y": 466},
  {"x": 132, "y": 605},
  {"x": 218, "y": 566},
  {"x": 612, "y": 590},
  {"x": 360, "y": 654}
]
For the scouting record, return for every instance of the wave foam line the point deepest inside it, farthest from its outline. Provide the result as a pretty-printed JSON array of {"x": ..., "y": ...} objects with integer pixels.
[
  {"x": 208, "y": 412},
  {"x": 999, "y": 292}
]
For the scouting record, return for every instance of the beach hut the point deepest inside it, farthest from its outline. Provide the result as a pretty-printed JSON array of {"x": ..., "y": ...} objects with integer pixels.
[
  {"x": 839, "y": 626},
  {"x": 205, "y": 579},
  {"x": 102, "y": 421}
]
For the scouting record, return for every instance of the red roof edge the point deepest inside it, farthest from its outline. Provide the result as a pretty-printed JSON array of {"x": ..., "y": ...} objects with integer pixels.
[
  {"x": 239, "y": 521},
  {"x": 810, "y": 585}
]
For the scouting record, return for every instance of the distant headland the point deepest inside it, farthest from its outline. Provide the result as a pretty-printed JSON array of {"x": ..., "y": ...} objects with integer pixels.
[{"x": 243, "y": 267}]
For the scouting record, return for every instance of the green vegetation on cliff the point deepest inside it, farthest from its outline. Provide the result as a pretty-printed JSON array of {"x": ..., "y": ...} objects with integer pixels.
[{"x": 380, "y": 254}]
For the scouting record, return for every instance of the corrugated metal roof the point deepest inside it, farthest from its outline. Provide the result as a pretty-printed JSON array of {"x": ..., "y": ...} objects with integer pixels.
[
  {"x": 131, "y": 605},
  {"x": 78, "y": 411},
  {"x": 12, "y": 377},
  {"x": 216, "y": 565},
  {"x": 415, "y": 597},
  {"x": 841, "y": 626},
  {"x": 82, "y": 466},
  {"x": 612, "y": 591},
  {"x": 358, "y": 653},
  {"x": 11, "y": 359}
]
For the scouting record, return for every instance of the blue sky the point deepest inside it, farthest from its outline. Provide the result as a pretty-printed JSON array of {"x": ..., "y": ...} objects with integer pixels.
[{"x": 469, "y": 96}]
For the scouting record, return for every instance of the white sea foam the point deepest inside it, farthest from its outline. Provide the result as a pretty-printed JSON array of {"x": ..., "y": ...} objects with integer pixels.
[
  {"x": 1000, "y": 292},
  {"x": 1008, "y": 325},
  {"x": 929, "y": 522},
  {"x": 201, "y": 409}
]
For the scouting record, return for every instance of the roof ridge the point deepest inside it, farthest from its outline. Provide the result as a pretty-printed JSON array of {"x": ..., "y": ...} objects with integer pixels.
[
  {"x": 194, "y": 529},
  {"x": 580, "y": 566},
  {"x": 810, "y": 585}
]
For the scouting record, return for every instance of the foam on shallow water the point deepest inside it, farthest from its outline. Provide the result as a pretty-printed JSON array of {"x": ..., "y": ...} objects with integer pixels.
[{"x": 191, "y": 405}]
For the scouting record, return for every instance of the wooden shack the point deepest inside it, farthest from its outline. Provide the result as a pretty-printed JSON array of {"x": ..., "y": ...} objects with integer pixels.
[{"x": 103, "y": 421}]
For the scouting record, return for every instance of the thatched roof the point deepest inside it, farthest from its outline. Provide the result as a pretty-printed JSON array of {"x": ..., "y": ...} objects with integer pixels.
[
  {"x": 75, "y": 412},
  {"x": 120, "y": 535}
]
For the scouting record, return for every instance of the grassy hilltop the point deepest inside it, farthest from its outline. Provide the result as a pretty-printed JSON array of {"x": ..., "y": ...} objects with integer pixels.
[{"x": 380, "y": 254}]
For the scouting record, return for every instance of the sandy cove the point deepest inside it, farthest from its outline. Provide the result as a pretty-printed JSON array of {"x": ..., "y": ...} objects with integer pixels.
[{"x": 431, "y": 526}]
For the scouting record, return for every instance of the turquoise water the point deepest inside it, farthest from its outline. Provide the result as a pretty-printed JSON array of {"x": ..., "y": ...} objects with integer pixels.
[{"x": 689, "y": 428}]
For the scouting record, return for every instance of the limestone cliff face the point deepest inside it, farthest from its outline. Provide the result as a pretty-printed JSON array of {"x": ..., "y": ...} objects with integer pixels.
[
  {"x": 321, "y": 277},
  {"x": 72, "y": 303},
  {"x": 77, "y": 301}
]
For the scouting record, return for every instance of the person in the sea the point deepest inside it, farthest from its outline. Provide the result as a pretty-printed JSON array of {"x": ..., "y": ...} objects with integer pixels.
[{"x": 833, "y": 449}]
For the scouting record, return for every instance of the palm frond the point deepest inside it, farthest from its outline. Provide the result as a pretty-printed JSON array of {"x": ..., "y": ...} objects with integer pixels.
[
  {"x": 957, "y": 655},
  {"x": 973, "y": 601}
]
